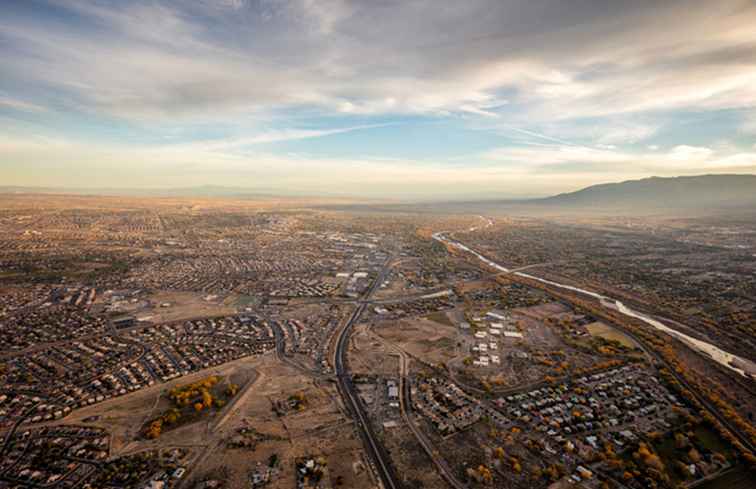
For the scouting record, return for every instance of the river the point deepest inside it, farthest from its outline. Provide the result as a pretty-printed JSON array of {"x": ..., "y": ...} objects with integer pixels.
[{"x": 726, "y": 359}]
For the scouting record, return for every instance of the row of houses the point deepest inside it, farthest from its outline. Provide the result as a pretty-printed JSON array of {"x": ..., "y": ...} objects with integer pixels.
[
  {"x": 611, "y": 400},
  {"x": 52, "y": 382}
]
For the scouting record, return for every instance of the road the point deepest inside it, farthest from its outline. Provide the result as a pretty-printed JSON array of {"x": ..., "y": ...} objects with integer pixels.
[
  {"x": 283, "y": 357},
  {"x": 405, "y": 405},
  {"x": 375, "y": 450}
]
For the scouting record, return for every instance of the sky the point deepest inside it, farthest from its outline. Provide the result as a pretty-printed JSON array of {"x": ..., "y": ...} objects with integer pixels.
[{"x": 395, "y": 99}]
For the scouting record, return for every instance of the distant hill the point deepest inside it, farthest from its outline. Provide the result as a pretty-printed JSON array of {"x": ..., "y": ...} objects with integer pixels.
[
  {"x": 199, "y": 191},
  {"x": 695, "y": 192}
]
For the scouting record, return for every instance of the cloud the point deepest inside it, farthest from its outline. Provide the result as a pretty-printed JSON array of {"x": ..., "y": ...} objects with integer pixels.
[
  {"x": 327, "y": 14},
  {"x": 689, "y": 154},
  {"x": 555, "y": 155},
  {"x": 293, "y": 134},
  {"x": 22, "y": 105},
  {"x": 679, "y": 159},
  {"x": 537, "y": 135},
  {"x": 511, "y": 171},
  {"x": 279, "y": 135},
  {"x": 748, "y": 124},
  {"x": 738, "y": 160},
  {"x": 627, "y": 134},
  {"x": 560, "y": 89},
  {"x": 161, "y": 58},
  {"x": 188, "y": 164}
]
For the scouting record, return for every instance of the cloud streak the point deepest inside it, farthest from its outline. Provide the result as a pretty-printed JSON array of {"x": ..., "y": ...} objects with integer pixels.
[
  {"x": 278, "y": 136},
  {"x": 164, "y": 58}
]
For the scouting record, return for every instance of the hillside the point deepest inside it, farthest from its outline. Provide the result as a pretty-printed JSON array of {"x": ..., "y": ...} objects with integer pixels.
[{"x": 703, "y": 191}]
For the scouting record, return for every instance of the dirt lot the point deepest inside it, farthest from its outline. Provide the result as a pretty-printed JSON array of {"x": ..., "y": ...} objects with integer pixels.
[
  {"x": 425, "y": 339},
  {"x": 369, "y": 355},
  {"x": 318, "y": 430},
  {"x": 414, "y": 468},
  {"x": 542, "y": 311},
  {"x": 124, "y": 416},
  {"x": 542, "y": 350},
  {"x": 185, "y": 305}
]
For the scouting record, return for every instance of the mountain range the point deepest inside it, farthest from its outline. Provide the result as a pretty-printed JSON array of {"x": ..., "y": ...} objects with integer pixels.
[{"x": 687, "y": 192}]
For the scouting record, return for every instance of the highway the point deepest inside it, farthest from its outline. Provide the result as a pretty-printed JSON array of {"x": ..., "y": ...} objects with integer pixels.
[{"x": 375, "y": 450}]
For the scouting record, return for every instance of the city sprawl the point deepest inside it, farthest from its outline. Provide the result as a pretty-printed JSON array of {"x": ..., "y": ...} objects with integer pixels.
[{"x": 216, "y": 343}]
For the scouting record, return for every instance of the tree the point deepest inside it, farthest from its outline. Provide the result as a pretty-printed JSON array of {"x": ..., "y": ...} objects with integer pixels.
[
  {"x": 154, "y": 429},
  {"x": 207, "y": 398},
  {"x": 681, "y": 441},
  {"x": 649, "y": 458},
  {"x": 484, "y": 474},
  {"x": 273, "y": 460},
  {"x": 516, "y": 467}
]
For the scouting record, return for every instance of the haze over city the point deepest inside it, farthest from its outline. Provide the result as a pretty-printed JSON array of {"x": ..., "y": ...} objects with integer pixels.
[{"x": 410, "y": 100}]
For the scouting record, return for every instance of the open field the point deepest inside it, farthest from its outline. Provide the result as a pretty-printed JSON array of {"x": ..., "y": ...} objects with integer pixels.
[
  {"x": 607, "y": 332},
  {"x": 425, "y": 339},
  {"x": 320, "y": 429},
  {"x": 125, "y": 416},
  {"x": 169, "y": 305},
  {"x": 371, "y": 354}
]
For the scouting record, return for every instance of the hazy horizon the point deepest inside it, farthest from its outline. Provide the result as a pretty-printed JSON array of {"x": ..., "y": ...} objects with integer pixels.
[
  {"x": 405, "y": 100},
  {"x": 673, "y": 192}
]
